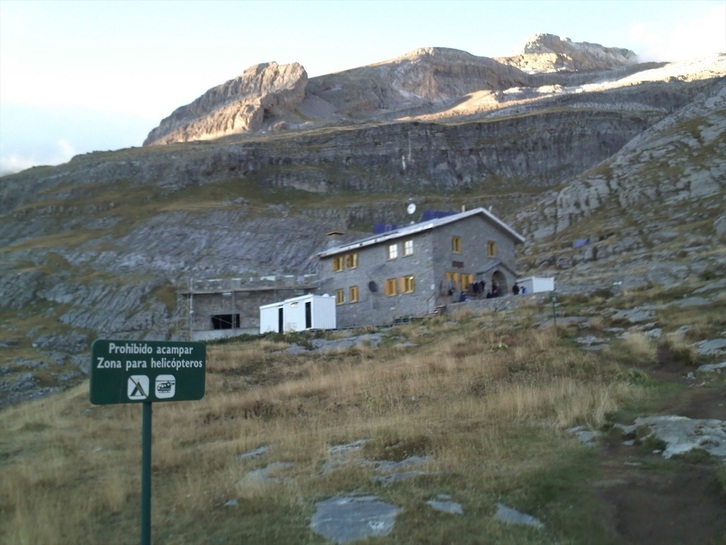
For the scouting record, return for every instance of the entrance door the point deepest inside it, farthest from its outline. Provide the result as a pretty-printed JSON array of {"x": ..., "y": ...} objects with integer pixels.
[
  {"x": 500, "y": 281},
  {"x": 280, "y": 321},
  {"x": 308, "y": 315}
]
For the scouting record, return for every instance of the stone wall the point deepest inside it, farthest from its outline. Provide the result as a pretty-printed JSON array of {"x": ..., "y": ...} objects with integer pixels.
[{"x": 431, "y": 259}]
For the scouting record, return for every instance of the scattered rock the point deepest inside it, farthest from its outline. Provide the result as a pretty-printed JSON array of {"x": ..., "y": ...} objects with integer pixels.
[
  {"x": 634, "y": 316},
  {"x": 690, "y": 302},
  {"x": 512, "y": 516},
  {"x": 343, "y": 519},
  {"x": 715, "y": 347},
  {"x": 591, "y": 342},
  {"x": 264, "y": 476},
  {"x": 259, "y": 451},
  {"x": 387, "y": 466},
  {"x": 385, "y": 480},
  {"x": 712, "y": 367},
  {"x": 585, "y": 436},
  {"x": 681, "y": 434},
  {"x": 296, "y": 349},
  {"x": 718, "y": 286},
  {"x": 337, "y": 451},
  {"x": 444, "y": 504},
  {"x": 327, "y": 345}
]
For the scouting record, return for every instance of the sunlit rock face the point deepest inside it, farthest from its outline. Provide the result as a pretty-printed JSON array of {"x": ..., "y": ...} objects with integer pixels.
[
  {"x": 564, "y": 54},
  {"x": 238, "y": 106}
]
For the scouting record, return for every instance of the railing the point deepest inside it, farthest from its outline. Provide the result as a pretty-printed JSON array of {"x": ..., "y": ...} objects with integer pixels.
[{"x": 248, "y": 282}]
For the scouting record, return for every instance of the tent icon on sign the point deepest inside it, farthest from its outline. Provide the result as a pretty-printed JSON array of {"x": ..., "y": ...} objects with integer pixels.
[
  {"x": 165, "y": 386},
  {"x": 138, "y": 387}
]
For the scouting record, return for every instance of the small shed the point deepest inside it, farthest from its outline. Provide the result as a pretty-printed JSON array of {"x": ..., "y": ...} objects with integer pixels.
[
  {"x": 535, "y": 284},
  {"x": 298, "y": 314}
]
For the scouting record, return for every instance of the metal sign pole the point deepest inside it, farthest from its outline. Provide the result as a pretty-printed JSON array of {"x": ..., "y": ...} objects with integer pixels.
[
  {"x": 143, "y": 372},
  {"x": 146, "y": 475}
]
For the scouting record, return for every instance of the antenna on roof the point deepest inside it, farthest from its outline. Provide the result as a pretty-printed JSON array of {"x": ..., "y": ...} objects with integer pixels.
[{"x": 411, "y": 208}]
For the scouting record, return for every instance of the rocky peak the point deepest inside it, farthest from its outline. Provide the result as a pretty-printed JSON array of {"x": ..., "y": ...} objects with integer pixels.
[
  {"x": 439, "y": 74},
  {"x": 550, "y": 53},
  {"x": 238, "y": 106},
  {"x": 273, "y": 97}
]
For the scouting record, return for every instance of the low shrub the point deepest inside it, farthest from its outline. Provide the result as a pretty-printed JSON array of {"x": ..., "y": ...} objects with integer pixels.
[{"x": 674, "y": 352}]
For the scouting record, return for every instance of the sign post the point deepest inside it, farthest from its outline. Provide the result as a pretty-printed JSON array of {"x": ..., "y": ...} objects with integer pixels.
[
  {"x": 553, "y": 298},
  {"x": 144, "y": 372}
]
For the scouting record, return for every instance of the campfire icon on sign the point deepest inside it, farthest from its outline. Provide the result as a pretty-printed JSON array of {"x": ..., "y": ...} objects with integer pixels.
[{"x": 165, "y": 386}]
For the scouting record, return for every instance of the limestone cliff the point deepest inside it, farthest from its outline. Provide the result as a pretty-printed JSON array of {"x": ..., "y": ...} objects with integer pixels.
[
  {"x": 550, "y": 53},
  {"x": 238, "y": 106},
  {"x": 272, "y": 97}
]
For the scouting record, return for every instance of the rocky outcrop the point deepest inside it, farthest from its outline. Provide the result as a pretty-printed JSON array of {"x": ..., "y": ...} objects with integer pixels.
[
  {"x": 679, "y": 159},
  {"x": 426, "y": 80},
  {"x": 241, "y": 105},
  {"x": 550, "y": 53}
]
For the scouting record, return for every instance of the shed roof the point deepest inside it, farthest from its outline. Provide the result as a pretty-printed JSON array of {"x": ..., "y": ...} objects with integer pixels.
[{"x": 409, "y": 230}]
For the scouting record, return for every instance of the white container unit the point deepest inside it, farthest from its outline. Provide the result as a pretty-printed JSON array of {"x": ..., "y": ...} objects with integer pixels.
[
  {"x": 536, "y": 284},
  {"x": 298, "y": 314}
]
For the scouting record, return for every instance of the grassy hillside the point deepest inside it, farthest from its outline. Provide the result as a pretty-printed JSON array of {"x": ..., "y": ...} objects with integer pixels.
[{"x": 484, "y": 397}]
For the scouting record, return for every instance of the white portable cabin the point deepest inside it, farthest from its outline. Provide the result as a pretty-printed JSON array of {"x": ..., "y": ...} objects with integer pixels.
[
  {"x": 535, "y": 284},
  {"x": 298, "y": 314}
]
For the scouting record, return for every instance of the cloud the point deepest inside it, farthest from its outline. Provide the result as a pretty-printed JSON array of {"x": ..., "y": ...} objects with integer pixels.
[
  {"x": 31, "y": 135},
  {"x": 62, "y": 152},
  {"x": 14, "y": 163},
  {"x": 698, "y": 37}
]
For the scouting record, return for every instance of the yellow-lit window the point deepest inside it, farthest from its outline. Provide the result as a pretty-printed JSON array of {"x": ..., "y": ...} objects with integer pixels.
[
  {"x": 408, "y": 247},
  {"x": 466, "y": 280},
  {"x": 453, "y": 280},
  {"x": 391, "y": 287},
  {"x": 337, "y": 263},
  {"x": 456, "y": 245},
  {"x": 353, "y": 294},
  {"x": 393, "y": 250},
  {"x": 491, "y": 248},
  {"x": 407, "y": 284},
  {"x": 339, "y": 297},
  {"x": 351, "y": 261}
]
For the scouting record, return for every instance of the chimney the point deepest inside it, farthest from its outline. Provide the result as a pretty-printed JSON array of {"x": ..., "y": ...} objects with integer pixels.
[{"x": 334, "y": 239}]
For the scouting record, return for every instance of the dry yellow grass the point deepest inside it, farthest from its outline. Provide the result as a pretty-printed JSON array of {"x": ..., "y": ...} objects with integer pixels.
[
  {"x": 485, "y": 402},
  {"x": 641, "y": 346}
]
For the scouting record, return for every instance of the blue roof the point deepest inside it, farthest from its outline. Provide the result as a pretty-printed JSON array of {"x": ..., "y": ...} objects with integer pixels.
[{"x": 408, "y": 230}]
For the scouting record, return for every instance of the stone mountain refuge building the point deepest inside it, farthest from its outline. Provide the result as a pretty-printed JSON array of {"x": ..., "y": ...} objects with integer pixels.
[{"x": 418, "y": 269}]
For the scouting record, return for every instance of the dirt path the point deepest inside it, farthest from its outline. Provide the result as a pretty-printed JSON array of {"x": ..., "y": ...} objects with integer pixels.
[{"x": 645, "y": 499}]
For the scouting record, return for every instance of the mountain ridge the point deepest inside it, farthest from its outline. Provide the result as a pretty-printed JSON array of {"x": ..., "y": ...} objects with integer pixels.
[
  {"x": 103, "y": 244},
  {"x": 269, "y": 96}
]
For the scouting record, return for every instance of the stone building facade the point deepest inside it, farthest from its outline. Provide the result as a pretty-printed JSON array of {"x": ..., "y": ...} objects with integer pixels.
[
  {"x": 417, "y": 269},
  {"x": 226, "y": 307}
]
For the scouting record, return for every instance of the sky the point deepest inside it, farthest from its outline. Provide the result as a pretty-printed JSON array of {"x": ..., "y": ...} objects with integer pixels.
[{"x": 94, "y": 75}]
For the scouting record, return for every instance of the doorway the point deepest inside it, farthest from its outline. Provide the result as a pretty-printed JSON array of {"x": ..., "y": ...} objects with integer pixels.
[{"x": 500, "y": 281}]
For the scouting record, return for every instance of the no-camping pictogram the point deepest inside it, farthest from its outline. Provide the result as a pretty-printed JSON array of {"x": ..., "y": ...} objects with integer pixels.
[{"x": 138, "y": 387}]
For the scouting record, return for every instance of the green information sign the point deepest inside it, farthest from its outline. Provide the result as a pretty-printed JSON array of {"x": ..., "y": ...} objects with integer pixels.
[{"x": 146, "y": 371}]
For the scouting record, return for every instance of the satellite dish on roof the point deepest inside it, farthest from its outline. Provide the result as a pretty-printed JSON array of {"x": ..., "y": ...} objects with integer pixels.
[{"x": 411, "y": 208}]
